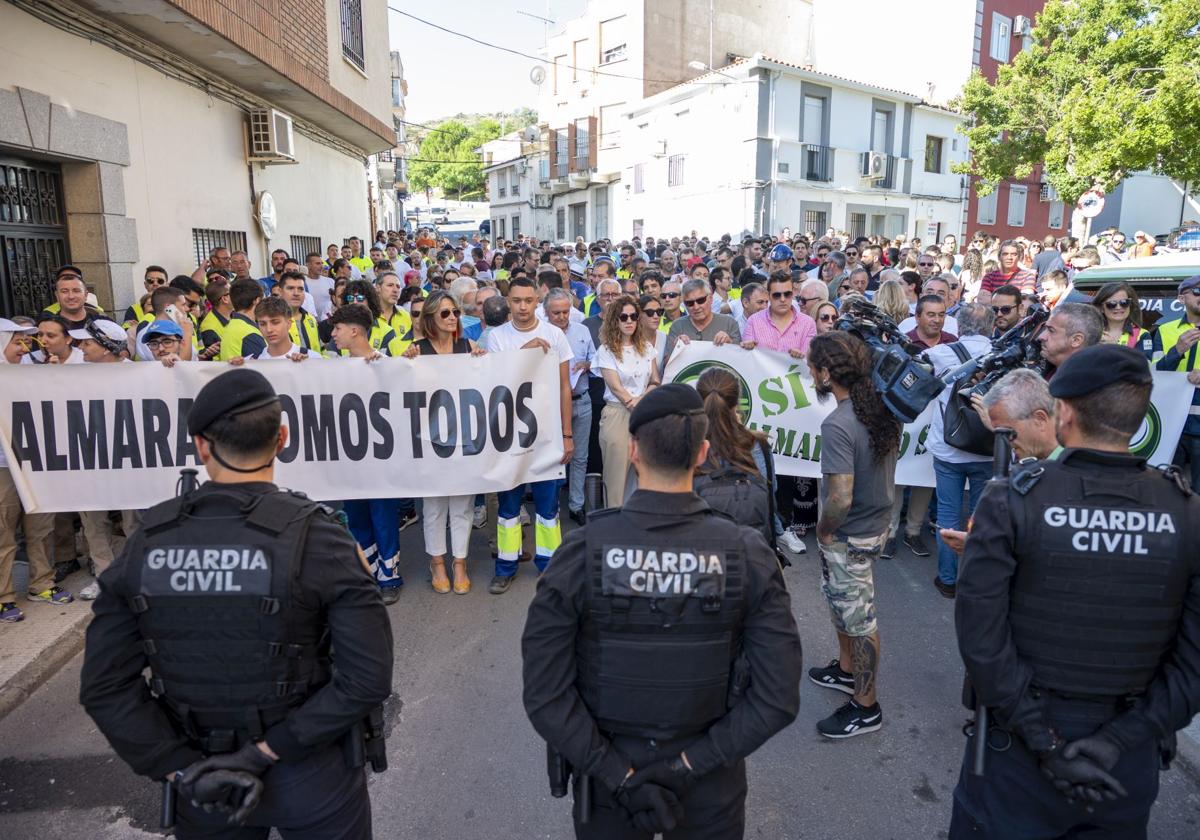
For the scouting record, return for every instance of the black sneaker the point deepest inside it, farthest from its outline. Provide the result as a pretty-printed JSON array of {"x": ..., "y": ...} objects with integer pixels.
[
  {"x": 889, "y": 548},
  {"x": 832, "y": 676},
  {"x": 390, "y": 594},
  {"x": 407, "y": 519},
  {"x": 850, "y": 720},
  {"x": 64, "y": 569},
  {"x": 916, "y": 544},
  {"x": 500, "y": 584},
  {"x": 577, "y": 517},
  {"x": 948, "y": 590}
]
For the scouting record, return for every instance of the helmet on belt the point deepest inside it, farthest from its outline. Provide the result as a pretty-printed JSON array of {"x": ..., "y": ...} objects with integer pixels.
[{"x": 780, "y": 253}]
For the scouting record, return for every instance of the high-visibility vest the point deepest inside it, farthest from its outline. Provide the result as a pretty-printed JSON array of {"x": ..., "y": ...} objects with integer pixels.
[
  {"x": 384, "y": 339},
  {"x": 236, "y": 332},
  {"x": 1168, "y": 335},
  {"x": 311, "y": 338},
  {"x": 212, "y": 322}
]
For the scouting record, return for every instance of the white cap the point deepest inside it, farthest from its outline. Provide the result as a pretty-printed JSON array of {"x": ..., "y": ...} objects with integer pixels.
[
  {"x": 13, "y": 327},
  {"x": 110, "y": 329}
]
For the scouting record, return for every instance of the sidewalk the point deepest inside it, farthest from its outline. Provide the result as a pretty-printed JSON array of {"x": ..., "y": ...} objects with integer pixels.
[{"x": 32, "y": 651}]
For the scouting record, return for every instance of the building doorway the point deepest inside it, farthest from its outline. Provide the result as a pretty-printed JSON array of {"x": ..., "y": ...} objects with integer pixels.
[
  {"x": 33, "y": 234},
  {"x": 579, "y": 220}
]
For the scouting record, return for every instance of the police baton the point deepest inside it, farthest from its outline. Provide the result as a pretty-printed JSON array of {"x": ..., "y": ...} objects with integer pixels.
[
  {"x": 1001, "y": 464},
  {"x": 167, "y": 817}
]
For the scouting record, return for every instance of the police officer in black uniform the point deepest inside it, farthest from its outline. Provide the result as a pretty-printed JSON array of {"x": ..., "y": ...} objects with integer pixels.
[
  {"x": 234, "y": 595},
  {"x": 660, "y": 649},
  {"x": 1078, "y": 618}
]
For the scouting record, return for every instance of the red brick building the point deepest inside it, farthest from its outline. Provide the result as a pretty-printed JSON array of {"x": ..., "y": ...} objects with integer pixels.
[{"x": 1026, "y": 207}]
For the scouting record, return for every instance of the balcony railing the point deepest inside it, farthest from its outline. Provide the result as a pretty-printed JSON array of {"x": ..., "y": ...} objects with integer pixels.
[{"x": 817, "y": 162}]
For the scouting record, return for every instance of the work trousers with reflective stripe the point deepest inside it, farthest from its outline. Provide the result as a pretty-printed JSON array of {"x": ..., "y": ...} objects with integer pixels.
[
  {"x": 547, "y": 534},
  {"x": 375, "y": 526}
]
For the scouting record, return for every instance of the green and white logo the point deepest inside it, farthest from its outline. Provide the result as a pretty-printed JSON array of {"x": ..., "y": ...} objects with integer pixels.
[
  {"x": 691, "y": 373},
  {"x": 1149, "y": 435}
]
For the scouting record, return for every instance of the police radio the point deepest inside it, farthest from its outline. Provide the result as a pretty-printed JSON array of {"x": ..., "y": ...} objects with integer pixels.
[{"x": 905, "y": 381}]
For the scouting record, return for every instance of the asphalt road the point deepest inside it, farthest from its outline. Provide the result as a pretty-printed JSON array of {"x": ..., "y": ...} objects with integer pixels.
[{"x": 466, "y": 765}]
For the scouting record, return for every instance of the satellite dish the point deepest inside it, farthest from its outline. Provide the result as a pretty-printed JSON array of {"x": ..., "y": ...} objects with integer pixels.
[
  {"x": 267, "y": 216},
  {"x": 538, "y": 74}
]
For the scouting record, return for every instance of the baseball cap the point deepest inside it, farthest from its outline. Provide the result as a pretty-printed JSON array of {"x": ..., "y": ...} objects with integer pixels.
[
  {"x": 1189, "y": 284},
  {"x": 12, "y": 326},
  {"x": 235, "y": 392},
  {"x": 68, "y": 269},
  {"x": 163, "y": 327},
  {"x": 99, "y": 327}
]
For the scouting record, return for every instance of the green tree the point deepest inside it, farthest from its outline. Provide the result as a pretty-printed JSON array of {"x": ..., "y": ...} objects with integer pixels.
[
  {"x": 446, "y": 157},
  {"x": 1108, "y": 88}
]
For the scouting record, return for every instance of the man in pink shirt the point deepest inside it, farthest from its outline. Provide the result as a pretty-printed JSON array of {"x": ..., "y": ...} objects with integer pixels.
[{"x": 781, "y": 326}]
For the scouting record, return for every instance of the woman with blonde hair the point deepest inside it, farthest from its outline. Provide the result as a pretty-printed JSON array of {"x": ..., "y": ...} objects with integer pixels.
[
  {"x": 629, "y": 364},
  {"x": 892, "y": 300}
]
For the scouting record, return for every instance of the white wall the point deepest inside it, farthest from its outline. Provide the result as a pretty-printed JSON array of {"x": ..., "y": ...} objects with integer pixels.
[
  {"x": 187, "y": 156},
  {"x": 372, "y": 89},
  {"x": 1152, "y": 203}
]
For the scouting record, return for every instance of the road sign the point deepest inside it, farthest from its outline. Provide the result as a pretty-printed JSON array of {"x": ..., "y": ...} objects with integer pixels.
[{"x": 1091, "y": 204}]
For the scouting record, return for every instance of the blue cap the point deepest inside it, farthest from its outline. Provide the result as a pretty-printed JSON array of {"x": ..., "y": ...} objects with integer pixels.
[
  {"x": 164, "y": 327},
  {"x": 1189, "y": 284},
  {"x": 780, "y": 253}
]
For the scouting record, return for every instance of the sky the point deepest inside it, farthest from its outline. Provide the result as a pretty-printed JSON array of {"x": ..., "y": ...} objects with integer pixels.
[{"x": 448, "y": 75}]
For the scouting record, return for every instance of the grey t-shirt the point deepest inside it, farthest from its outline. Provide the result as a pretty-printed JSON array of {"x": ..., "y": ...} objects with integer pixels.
[
  {"x": 719, "y": 323},
  {"x": 846, "y": 450}
]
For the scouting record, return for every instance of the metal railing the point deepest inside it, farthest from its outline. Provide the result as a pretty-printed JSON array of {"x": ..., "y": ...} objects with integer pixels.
[{"x": 817, "y": 162}]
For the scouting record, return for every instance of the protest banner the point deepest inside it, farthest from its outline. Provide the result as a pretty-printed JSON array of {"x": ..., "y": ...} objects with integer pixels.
[
  {"x": 779, "y": 399},
  {"x": 110, "y": 437}
]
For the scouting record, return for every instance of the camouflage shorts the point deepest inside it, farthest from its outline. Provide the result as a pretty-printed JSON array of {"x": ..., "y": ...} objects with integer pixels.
[{"x": 848, "y": 583}]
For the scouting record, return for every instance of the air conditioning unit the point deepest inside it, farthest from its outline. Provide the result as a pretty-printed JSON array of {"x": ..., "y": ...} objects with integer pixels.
[
  {"x": 271, "y": 136},
  {"x": 1022, "y": 26},
  {"x": 874, "y": 166}
]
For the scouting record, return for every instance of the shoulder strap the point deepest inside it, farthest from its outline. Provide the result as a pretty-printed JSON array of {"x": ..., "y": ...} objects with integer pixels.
[
  {"x": 769, "y": 462},
  {"x": 964, "y": 355}
]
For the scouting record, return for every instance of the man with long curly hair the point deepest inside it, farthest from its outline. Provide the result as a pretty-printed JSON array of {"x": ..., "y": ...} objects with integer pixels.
[{"x": 860, "y": 440}]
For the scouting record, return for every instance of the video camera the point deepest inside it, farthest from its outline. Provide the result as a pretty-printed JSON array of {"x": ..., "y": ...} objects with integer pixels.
[
  {"x": 1017, "y": 348},
  {"x": 905, "y": 381}
]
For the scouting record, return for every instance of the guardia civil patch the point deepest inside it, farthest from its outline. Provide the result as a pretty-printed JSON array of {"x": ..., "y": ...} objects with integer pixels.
[
  {"x": 634, "y": 571},
  {"x": 211, "y": 570}
]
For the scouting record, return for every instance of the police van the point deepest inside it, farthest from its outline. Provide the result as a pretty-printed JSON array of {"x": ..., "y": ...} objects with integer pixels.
[{"x": 1155, "y": 279}]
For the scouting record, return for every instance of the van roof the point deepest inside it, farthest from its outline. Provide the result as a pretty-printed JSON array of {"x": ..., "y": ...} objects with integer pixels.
[{"x": 1164, "y": 267}]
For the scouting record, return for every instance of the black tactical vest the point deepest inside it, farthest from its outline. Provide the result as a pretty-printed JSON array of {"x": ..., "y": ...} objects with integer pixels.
[
  {"x": 1102, "y": 572},
  {"x": 213, "y": 581},
  {"x": 663, "y": 623}
]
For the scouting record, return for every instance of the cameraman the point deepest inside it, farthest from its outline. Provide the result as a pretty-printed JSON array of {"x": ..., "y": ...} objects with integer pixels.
[
  {"x": 956, "y": 469},
  {"x": 1072, "y": 327}
]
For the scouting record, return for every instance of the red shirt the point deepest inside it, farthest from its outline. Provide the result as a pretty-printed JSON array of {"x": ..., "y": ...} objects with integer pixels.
[
  {"x": 915, "y": 337},
  {"x": 1022, "y": 278}
]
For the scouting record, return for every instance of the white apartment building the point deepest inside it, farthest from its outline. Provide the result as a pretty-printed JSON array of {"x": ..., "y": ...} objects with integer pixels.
[
  {"x": 167, "y": 127},
  {"x": 763, "y": 144},
  {"x": 605, "y": 62},
  {"x": 511, "y": 182}
]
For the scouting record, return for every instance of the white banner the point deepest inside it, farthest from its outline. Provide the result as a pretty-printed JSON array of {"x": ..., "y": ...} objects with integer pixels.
[
  {"x": 781, "y": 401},
  {"x": 109, "y": 437}
]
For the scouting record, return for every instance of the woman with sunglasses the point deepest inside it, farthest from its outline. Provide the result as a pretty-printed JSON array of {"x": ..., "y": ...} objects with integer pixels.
[
  {"x": 1118, "y": 304},
  {"x": 627, "y": 362},
  {"x": 826, "y": 317},
  {"x": 651, "y": 320},
  {"x": 441, "y": 325}
]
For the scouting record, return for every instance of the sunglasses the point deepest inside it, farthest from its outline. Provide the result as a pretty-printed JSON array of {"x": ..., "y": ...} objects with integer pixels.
[
  {"x": 700, "y": 301},
  {"x": 1195, "y": 292},
  {"x": 671, "y": 295},
  {"x": 652, "y": 313},
  {"x": 627, "y": 317},
  {"x": 781, "y": 295},
  {"x": 1004, "y": 310},
  {"x": 925, "y": 264},
  {"x": 851, "y": 253},
  {"x": 354, "y": 298},
  {"x": 1116, "y": 304},
  {"x": 448, "y": 313},
  {"x": 827, "y": 317}
]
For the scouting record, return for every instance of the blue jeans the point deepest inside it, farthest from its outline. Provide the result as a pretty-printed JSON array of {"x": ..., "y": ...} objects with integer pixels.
[
  {"x": 952, "y": 479},
  {"x": 375, "y": 526},
  {"x": 581, "y": 428}
]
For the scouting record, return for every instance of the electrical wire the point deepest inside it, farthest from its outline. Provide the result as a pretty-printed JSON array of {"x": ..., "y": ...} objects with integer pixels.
[{"x": 537, "y": 58}]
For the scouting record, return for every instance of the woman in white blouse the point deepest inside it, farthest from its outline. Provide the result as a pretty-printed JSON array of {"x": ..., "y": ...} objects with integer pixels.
[{"x": 629, "y": 364}]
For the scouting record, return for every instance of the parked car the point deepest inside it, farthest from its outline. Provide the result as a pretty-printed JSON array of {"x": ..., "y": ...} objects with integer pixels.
[
  {"x": 485, "y": 227},
  {"x": 1155, "y": 279}
]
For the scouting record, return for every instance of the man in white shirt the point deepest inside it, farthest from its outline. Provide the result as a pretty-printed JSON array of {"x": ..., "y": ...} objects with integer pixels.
[
  {"x": 319, "y": 286},
  {"x": 274, "y": 318},
  {"x": 524, "y": 332},
  {"x": 558, "y": 307}
]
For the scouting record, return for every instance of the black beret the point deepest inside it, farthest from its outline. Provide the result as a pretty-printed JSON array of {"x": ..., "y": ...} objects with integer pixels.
[
  {"x": 665, "y": 401},
  {"x": 231, "y": 393},
  {"x": 1092, "y": 368}
]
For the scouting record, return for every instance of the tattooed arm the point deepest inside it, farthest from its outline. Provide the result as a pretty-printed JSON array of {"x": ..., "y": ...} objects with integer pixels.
[{"x": 837, "y": 505}]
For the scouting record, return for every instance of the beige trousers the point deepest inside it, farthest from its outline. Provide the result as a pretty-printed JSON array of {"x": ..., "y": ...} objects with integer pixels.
[
  {"x": 614, "y": 450},
  {"x": 37, "y": 527}
]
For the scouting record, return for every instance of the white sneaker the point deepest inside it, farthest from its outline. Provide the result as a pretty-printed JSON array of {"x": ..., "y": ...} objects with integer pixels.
[
  {"x": 90, "y": 592},
  {"x": 480, "y": 516},
  {"x": 791, "y": 542}
]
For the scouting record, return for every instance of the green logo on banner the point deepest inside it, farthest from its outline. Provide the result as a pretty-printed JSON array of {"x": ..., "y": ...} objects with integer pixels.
[
  {"x": 691, "y": 373},
  {"x": 1149, "y": 435}
]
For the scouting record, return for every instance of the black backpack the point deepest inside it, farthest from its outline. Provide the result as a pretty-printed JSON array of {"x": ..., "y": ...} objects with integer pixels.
[
  {"x": 744, "y": 497},
  {"x": 962, "y": 427}
]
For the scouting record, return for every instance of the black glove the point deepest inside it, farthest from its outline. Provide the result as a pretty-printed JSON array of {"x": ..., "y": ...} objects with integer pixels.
[
  {"x": 1098, "y": 748},
  {"x": 235, "y": 785},
  {"x": 234, "y": 792},
  {"x": 652, "y": 808},
  {"x": 1080, "y": 778},
  {"x": 670, "y": 773}
]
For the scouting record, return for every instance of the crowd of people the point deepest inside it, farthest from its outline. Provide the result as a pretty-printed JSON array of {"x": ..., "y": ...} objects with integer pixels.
[{"x": 612, "y": 314}]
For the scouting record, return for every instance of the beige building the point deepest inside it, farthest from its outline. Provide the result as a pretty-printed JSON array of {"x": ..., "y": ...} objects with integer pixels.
[{"x": 125, "y": 134}]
